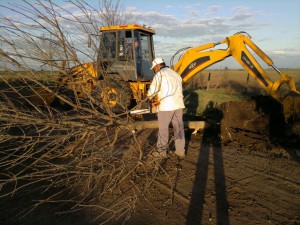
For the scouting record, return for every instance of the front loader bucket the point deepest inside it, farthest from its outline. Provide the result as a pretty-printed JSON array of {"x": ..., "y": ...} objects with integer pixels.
[{"x": 41, "y": 97}]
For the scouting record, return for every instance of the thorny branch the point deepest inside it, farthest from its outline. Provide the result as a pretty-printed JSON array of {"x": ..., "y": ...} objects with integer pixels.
[{"x": 76, "y": 153}]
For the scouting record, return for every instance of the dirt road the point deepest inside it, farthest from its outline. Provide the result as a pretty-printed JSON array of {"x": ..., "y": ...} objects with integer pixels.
[
  {"x": 237, "y": 176},
  {"x": 220, "y": 184}
]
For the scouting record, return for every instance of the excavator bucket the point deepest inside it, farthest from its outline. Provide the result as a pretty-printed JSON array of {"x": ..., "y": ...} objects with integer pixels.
[
  {"x": 291, "y": 108},
  {"x": 81, "y": 77}
]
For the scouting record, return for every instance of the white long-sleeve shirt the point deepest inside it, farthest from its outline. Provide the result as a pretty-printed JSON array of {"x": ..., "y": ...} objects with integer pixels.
[{"x": 167, "y": 84}]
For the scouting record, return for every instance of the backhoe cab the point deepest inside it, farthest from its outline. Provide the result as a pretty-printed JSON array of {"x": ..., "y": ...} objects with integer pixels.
[
  {"x": 130, "y": 50},
  {"x": 122, "y": 72}
]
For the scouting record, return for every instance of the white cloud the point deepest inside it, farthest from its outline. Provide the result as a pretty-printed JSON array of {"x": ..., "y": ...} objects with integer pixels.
[
  {"x": 240, "y": 8},
  {"x": 170, "y": 25},
  {"x": 173, "y": 33},
  {"x": 212, "y": 9},
  {"x": 194, "y": 13},
  {"x": 242, "y": 16},
  {"x": 169, "y": 6},
  {"x": 278, "y": 52},
  {"x": 68, "y": 7}
]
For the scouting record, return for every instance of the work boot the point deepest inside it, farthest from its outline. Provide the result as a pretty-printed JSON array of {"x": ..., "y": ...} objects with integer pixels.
[
  {"x": 179, "y": 154},
  {"x": 162, "y": 154}
]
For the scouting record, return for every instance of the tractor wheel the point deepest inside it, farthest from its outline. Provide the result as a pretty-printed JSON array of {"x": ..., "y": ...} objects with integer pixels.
[
  {"x": 115, "y": 95},
  {"x": 66, "y": 93}
]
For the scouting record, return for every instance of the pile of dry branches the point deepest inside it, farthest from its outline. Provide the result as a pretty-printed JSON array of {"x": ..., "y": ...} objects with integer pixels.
[{"x": 83, "y": 156}]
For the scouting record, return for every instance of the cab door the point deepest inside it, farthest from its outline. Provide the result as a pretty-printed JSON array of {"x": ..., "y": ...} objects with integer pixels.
[{"x": 145, "y": 56}]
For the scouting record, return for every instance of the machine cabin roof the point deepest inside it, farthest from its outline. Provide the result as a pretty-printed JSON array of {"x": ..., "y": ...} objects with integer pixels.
[{"x": 128, "y": 27}]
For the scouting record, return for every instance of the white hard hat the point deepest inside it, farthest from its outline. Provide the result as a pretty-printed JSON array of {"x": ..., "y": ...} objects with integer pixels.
[{"x": 157, "y": 61}]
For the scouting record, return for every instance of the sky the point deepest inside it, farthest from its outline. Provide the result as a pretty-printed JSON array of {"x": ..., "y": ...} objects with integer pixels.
[{"x": 272, "y": 24}]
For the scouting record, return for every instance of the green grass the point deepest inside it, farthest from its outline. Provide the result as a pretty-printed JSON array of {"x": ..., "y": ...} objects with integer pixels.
[
  {"x": 224, "y": 86},
  {"x": 196, "y": 101},
  {"x": 45, "y": 76}
]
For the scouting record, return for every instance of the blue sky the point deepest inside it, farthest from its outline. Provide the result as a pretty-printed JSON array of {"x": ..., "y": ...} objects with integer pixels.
[{"x": 273, "y": 25}]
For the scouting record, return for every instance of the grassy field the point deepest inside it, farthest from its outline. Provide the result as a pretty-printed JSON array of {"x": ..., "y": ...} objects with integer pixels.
[
  {"x": 46, "y": 76},
  {"x": 226, "y": 77},
  {"x": 225, "y": 85},
  {"x": 216, "y": 76},
  {"x": 197, "y": 101}
]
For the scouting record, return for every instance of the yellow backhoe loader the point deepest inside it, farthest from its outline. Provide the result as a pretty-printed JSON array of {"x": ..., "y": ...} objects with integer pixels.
[{"x": 122, "y": 72}]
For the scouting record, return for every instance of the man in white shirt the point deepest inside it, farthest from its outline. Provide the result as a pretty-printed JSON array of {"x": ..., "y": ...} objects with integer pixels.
[{"x": 167, "y": 85}]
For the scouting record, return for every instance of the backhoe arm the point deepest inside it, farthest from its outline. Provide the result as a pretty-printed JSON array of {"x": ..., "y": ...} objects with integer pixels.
[
  {"x": 196, "y": 59},
  {"x": 238, "y": 46}
]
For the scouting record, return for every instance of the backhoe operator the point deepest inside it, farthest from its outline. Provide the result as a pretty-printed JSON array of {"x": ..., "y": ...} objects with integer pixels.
[{"x": 167, "y": 85}]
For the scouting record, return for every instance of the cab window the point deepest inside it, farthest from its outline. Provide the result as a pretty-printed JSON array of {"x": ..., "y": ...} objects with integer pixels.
[{"x": 108, "y": 45}]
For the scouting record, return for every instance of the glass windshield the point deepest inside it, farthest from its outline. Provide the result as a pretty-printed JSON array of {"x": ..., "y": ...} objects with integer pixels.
[
  {"x": 108, "y": 45},
  {"x": 130, "y": 51}
]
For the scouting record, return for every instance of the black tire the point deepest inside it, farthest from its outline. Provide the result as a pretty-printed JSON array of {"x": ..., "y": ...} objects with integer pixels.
[
  {"x": 66, "y": 93},
  {"x": 115, "y": 95}
]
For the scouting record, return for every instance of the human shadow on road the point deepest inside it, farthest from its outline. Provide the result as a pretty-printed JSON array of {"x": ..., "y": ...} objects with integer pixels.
[{"x": 210, "y": 142}]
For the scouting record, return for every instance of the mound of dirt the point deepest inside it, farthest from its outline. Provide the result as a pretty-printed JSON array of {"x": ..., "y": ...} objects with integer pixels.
[
  {"x": 242, "y": 123},
  {"x": 255, "y": 122}
]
